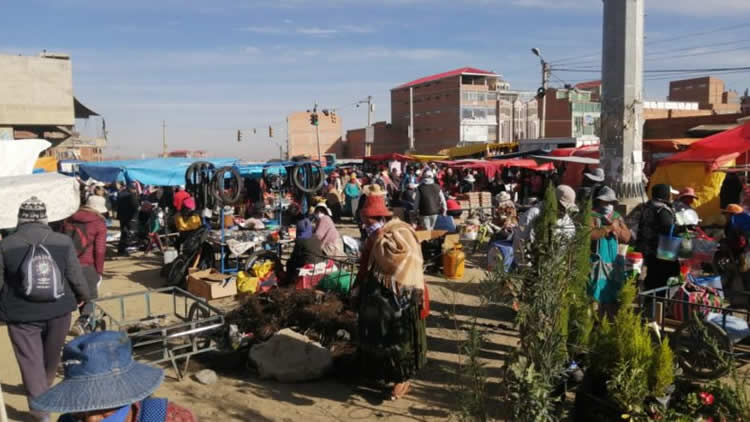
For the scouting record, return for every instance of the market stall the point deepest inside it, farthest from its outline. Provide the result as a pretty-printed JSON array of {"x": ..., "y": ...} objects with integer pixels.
[{"x": 699, "y": 167}]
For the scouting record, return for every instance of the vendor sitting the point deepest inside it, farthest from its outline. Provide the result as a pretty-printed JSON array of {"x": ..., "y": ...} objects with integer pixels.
[
  {"x": 326, "y": 232},
  {"x": 307, "y": 250},
  {"x": 187, "y": 220}
]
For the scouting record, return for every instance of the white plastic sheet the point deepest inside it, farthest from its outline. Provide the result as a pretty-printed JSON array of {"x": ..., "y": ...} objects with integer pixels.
[
  {"x": 59, "y": 193},
  {"x": 17, "y": 157}
]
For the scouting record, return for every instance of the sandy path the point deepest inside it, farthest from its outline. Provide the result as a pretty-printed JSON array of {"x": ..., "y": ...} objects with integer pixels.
[{"x": 241, "y": 396}]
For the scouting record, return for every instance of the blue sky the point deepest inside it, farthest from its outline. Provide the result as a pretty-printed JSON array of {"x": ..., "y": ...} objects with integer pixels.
[{"x": 211, "y": 67}]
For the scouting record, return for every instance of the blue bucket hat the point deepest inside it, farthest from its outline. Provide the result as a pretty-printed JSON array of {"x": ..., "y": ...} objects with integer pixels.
[{"x": 100, "y": 374}]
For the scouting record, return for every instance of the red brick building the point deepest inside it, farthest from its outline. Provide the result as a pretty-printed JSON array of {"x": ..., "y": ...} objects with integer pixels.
[
  {"x": 387, "y": 139},
  {"x": 708, "y": 92}
]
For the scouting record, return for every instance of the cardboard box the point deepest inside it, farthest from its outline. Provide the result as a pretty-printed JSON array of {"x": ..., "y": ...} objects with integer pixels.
[
  {"x": 209, "y": 284},
  {"x": 425, "y": 235}
]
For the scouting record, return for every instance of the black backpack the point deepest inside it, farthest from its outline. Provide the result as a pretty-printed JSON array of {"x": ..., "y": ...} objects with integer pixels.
[{"x": 41, "y": 278}]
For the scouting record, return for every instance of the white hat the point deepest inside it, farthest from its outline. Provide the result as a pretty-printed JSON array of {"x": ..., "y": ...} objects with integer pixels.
[
  {"x": 503, "y": 196},
  {"x": 97, "y": 203},
  {"x": 469, "y": 179},
  {"x": 428, "y": 174}
]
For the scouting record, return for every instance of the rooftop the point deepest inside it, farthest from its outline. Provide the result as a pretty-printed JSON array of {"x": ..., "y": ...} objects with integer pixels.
[
  {"x": 456, "y": 72},
  {"x": 588, "y": 85}
]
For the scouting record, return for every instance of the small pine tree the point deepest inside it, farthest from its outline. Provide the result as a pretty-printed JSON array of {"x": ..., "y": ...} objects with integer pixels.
[
  {"x": 581, "y": 315},
  {"x": 545, "y": 223},
  {"x": 661, "y": 375}
]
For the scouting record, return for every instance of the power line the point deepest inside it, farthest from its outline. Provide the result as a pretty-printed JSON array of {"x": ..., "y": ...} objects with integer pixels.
[
  {"x": 698, "y": 70},
  {"x": 567, "y": 60}
]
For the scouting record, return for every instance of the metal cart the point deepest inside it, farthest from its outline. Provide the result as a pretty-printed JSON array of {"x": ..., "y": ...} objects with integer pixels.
[
  {"x": 187, "y": 329},
  {"x": 703, "y": 348}
]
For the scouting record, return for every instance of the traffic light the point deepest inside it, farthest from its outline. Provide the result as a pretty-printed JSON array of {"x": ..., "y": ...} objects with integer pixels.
[
  {"x": 239, "y": 135},
  {"x": 314, "y": 119},
  {"x": 270, "y": 132}
]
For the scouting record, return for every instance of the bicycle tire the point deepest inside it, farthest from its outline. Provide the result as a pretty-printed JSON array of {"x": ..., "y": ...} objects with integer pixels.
[
  {"x": 217, "y": 186},
  {"x": 696, "y": 357},
  {"x": 308, "y": 167}
]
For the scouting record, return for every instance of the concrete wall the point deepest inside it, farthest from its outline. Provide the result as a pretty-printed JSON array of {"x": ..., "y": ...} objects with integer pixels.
[
  {"x": 36, "y": 91},
  {"x": 387, "y": 139},
  {"x": 302, "y": 137}
]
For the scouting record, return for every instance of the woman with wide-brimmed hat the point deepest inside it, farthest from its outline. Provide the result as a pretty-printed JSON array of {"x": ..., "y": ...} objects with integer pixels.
[{"x": 393, "y": 301}]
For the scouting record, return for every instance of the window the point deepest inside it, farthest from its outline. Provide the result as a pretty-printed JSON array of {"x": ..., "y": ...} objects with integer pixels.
[
  {"x": 427, "y": 113},
  {"x": 437, "y": 97},
  {"x": 417, "y": 114},
  {"x": 689, "y": 87},
  {"x": 702, "y": 86},
  {"x": 677, "y": 88},
  {"x": 437, "y": 111}
]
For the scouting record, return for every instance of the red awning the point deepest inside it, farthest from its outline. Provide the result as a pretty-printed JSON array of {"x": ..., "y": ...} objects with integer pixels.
[
  {"x": 715, "y": 150},
  {"x": 492, "y": 168}
]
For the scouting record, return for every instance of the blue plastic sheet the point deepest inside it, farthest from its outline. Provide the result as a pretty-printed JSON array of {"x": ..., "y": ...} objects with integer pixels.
[{"x": 151, "y": 171}]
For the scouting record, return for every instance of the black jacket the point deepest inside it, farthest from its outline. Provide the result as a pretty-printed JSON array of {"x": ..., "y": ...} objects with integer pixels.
[
  {"x": 14, "y": 307},
  {"x": 306, "y": 251},
  {"x": 127, "y": 205}
]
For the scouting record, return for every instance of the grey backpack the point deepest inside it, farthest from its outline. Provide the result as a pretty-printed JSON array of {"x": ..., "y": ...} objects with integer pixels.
[{"x": 41, "y": 279}]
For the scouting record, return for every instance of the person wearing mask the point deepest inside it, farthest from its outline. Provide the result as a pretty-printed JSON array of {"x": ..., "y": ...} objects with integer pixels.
[
  {"x": 685, "y": 200},
  {"x": 37, "y": 312},
  {"x": 307, "y": 249},
  {"x": 430, "y": 201},
  {"x": 391, "y": 296},
  {"x": 331, "y": 243},
  {"x": 506, "y": 215},
  {"x": 104, "y": 384},
  {"x": 179, "y": 197},
  {"x": 127, "y": 209},
  {"x": 523, "y": 234},
  {"x": 88, "y": 230},
  {"x": 608, "y": 230},
  {"x": 657, "y": 218}
]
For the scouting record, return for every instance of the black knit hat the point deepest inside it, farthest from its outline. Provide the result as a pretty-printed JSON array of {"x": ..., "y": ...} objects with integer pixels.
[
  {"x": 32, "y": 210},
  {"x": 661, "y": 192}
]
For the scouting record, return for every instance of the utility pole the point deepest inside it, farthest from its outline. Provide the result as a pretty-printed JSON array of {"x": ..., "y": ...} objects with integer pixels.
[
  {"x": 545, "y": 82},
  {"x": 411, "y": 119},
  {"x": 163, "y": 138},
  {"x": 620, "y": 149},
  {"x": 370, "y": 111},
  {"x": 317, "y": 132}
]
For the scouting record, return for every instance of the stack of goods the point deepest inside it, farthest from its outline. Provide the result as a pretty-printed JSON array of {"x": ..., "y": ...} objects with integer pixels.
[
  {"x": 485, "y": 199},
  {"x": 474, "y": 200}
]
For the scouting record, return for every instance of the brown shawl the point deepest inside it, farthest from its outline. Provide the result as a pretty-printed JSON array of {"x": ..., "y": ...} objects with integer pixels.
[{"x": 396, "y": 256}]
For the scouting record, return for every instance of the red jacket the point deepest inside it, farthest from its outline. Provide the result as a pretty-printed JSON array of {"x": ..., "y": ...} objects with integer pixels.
[
  {"x": 96, "y": 231},
  {"x": 179, "y": 198}
]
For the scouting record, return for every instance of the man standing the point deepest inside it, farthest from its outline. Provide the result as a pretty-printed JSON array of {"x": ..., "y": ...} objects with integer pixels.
[
  {"x": 430, "y": 201},
  {"x": 127, "y": 208},
  {"x": 40, "y": 284},
  {"x": 88, "y": 230},
  {"x": 657, "y": 218}
]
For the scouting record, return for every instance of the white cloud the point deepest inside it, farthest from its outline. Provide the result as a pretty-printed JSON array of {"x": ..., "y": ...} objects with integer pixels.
[
  {"x": 317, "y": 31},
  {"x": 265, "y": 29}
]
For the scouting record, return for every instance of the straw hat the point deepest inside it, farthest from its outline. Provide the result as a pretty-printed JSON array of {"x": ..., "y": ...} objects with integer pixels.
[
  {"x": 733, "y": 209},
  {"x": 373, "y": 190}
]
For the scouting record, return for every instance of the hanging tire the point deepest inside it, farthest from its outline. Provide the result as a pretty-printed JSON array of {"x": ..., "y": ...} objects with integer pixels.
[
  {"x": 695, "y": 353},
  {"x": 218, "y": 183},
  {"x": 308, "y": 169}
]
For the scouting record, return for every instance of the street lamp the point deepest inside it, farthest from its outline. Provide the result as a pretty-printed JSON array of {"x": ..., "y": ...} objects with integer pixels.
[{"x": 545, "y": 78}]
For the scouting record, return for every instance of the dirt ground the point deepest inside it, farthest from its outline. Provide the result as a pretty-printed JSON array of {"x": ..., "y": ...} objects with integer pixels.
[{"x": 240, "y": 396}]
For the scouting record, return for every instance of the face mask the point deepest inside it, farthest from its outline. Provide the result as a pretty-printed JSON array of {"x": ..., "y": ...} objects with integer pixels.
[
  {"x": 374, "y": 227},
  {"x": 608, "y": 209}
]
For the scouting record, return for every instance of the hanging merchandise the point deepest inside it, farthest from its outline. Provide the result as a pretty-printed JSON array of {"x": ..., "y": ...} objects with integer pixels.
[
  {"x": 197, "y": 183},
  {"x": 308, "y": 177},
  {"x": 226, "y": 190}
]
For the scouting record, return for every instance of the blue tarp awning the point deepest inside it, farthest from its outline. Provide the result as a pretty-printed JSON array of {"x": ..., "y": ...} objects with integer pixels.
[{"x": 150, "y": 171}]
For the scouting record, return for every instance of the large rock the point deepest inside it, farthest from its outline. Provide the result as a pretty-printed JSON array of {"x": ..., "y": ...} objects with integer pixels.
[{"x": 291, "y": 357}]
